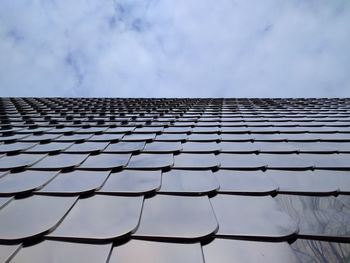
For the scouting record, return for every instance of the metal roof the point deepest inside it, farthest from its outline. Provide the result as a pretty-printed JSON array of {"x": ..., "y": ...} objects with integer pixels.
[{"x": 174, "y": 180}]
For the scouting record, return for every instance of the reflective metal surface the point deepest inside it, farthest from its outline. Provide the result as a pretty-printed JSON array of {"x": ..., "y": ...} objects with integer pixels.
[
  {"x": 59, "y": 161},
  {"x": 158, "y": 176},
  {"x": 196, "y": 161},
  {"x": 228, "y": 251},
  {"x": 19, "y": 160},
  {"x": 21, "y": 182},
  {"x": 6, "y": 252},
  {"x": 162, "y": 147},
  {"x": 318, "y": 215},
  {"x": 321, "y": 251},
  {"x": 32, "y": 216},
  {"x": 177, "y": 217},
  {"x": 241, "y": 161},
  {"x": 76, "y": 182},
  {"x": 62, "y": 252},
  {"x": 132, "y": 182},
  {"x": 311, "y": 182},
  {"x": 209, "y": 147},
  {"x": 251, "y": 216},
  {"x": 49, "y": 147},
  {"x": 125, "y": 147},
  {"x": 14, "y": 147},
  {"x": 156, "y": 252},
  {"x": 105, "y": 161},
  {"x": 188, "y": 182},
  {"x": 100, "y": 217},
  {"x": 87, "y": 147},
  {"x": 151, "y": 161},
  {"x": 245, "y": 182},
  {"x": 4, "y": 201}
]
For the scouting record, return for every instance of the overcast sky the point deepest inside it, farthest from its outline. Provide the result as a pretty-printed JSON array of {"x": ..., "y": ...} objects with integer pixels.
[{"x": 181, "y": 48}]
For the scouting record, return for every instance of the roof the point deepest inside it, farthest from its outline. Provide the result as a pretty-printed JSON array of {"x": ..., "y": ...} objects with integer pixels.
[{"x": 174, "y": 180}]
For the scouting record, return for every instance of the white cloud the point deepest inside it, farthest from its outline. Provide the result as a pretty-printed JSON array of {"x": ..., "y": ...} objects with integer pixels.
[{"x": 161, "y": 48}]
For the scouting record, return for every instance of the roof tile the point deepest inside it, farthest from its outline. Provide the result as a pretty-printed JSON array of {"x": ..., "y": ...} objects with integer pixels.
[{"x": 100, "y": 217}]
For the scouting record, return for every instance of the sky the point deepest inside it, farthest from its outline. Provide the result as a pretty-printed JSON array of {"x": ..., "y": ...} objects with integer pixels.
[{"x": 182, "y": 48}]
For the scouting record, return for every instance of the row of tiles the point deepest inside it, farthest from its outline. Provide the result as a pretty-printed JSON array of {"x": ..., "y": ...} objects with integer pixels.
[
  {"x": 308, "y": 137},
  {"x": 198, "y": 128},
  {"x": 181, "y": 182},
  {"x": 168, "y": 122},
  {"x": 103, "y": 218},
  {"x": 218, "y": 250},
  {"x": 175, "y": 147},
  {"x": 152, "y": 161}
]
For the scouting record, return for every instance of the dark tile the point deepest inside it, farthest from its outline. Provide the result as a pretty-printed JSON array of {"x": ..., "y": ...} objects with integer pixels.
[
  {"x": 188, "y": 182},
  {"x": 49, "y": 147},
  {"x": 139, "y": 137},
  {"x": 163, "y": 147},
  {"x": 64, "y": 130},
  {"x": 62, "y": 252},
  {"x": 120, "y": 129},
  {"x": 59, "y": 161},
  {"x": 14, "y": 137},
  {"x": 318, "y": 216},
  {"x": 91, "y": 130},
  {"x": 40, "y": 138},
  {"x": 321, "y": 251},
  {"x": 238, "y": 147},
  {"x": 241, "y": 161},
  {"x": 196, "y": 161},
  {"x": 73, "y": 138},
  {"x": 314, "y": 147},
  {"x": 19, "y": 160},
  {"x": 76, "y": 182},
  {"x": 29, "y": 217},
  {"x": 252, "y": 217},
  {"x": 198, "y": 147},
  {"x": 125, "y": 147},
  {"x": 234, "y": 129},
  {"x": 151, "y": 161},
  {"x": 262, "y": 129},
  {"x": 198, "y": 137},
  {"x": 156, "y": 252},
  {"x": 35, "y": 130},
  {"x": 275, "y": 147},
  {"x": 178, "y": 130},
  {"x": 213, "y": 129},
  {"x": 109, "y": 217},
  {"x": 236, "y": 137},
  {"x": 15, "y": 147},
  {"x": 87, "y": 147},
  {"x": 328, "y": 161},
  {"x": 6, "y": 252},
  {"x": 176, "y": 217},
  {"x": 105, "y": 161},
  {"x": 285, "y": 161},
  {"x": 341, "y": 147},
  {"x": 335, "y": 137},
  {"x": 132, "y": 182},
  {"x": 149, "y": 130},
  {"x": 227, "y": 251},
  {"x": 106, "y": 137},
  {"x": 22, "y": 182},
  {"x": 245, "y": 182},
  {"x": 300, "y": 137},
  {"x": 308, "y": 182},
  {"x": 172, "y": 137},
  {"x": 275, "y": 137}
]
